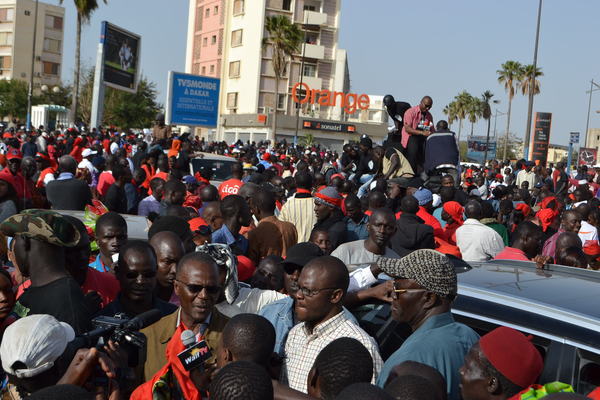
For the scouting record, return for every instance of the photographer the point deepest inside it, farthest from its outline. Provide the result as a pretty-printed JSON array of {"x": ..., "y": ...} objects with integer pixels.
[{"x": 35, "y": 355}]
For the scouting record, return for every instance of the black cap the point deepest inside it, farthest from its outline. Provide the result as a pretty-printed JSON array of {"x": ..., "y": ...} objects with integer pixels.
[{"x": 300, "y": 254}]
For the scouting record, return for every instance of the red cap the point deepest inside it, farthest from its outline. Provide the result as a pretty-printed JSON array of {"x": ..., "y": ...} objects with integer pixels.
[
  {"x": 196, "y": 223},
  {"x": 266, "y": 156},
  {"x": 7, "y": 135},
  {"x": 499, "y": 176},
  {"x": 14, "y": 153},
  {"x": 513, "y": 355},
  {"x": 524, "y": 208},
  {"x": 245, "y": 267},
  {"x": 282, "y": 157}
]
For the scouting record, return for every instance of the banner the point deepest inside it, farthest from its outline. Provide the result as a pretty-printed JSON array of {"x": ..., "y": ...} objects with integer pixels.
[
  {"x": 587, "y": 156},
  {"x": 541, "y": 137},
  {"x": 476, "y": 149},
  {"x": 121, "y": 57},
  {"x": 192, "y": 100}
]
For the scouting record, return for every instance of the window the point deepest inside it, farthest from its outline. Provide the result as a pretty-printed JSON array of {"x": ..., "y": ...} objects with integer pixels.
[
  {"x": 234, "y": 69},
  {"x": 213, "y": 39},
  {"x": 212, "y": 68},
  {"x": 5, "y": 62},
  {"x": 232, "y": 100},
  {"x": 281, "y": 101},
  {"x": 216, "y": 10},
  {"x": 51, "y": 68},
  {"x": 204, "y": 42},
  {"x": 52, "y": 45},
  {"x": 207, "y": 13},
  {"x": 309, "y": 8},
  {"x": 7, "y": 14},
  {"x": 6, "y": 38},
  {"x": 286, "y": 5},
  {"x": 236, "y": 38},
  {"x": 54, "y": 22},
  {"x": 310, "y": 70},
  {"x": 203, "y": 70},
  {"x": 238, "y": 7}
]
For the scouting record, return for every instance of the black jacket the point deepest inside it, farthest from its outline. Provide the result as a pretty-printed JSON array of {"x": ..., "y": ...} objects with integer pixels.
[
  {"x": 335, "y": 226},
  {"x": 68, "y": 194},
  {"x": 411, "y": 234}
]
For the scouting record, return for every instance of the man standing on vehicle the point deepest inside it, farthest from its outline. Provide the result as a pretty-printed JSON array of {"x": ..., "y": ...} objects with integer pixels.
[
  {"x": 441, "y": 150},
  {"x": 424, "y": 287},
  {"x": 418, "y": 124}
]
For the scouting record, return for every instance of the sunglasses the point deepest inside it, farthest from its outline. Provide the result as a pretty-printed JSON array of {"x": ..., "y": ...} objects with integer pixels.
[
  {"x": 397, "y": 292},
  {"x": 197, "y": 289},
  {"x": 145, "y": 275}
]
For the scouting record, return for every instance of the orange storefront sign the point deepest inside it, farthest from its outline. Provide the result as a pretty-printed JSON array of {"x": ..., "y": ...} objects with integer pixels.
[{"x": 350, "y": 102}]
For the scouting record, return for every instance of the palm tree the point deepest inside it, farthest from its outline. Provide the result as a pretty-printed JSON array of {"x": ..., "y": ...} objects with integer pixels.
[
  {"x": 509, "y": 76},
  {"x": 285, "y": 38},
  {"x": 486, "y": 113},
  {"x": 474, "y": 111},
  {"x": 85, "y": 9},
  {"x": 462, "y": 101},
  {"x": 529, "y": 82},
  {"x": 450, "y": 111}
]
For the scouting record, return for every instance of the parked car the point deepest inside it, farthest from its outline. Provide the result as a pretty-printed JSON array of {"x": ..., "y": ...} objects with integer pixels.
[
  {"x": 558, "y": 306},
  {"x": 220, "y": 166},
  {"x": 137, "y": 226}
]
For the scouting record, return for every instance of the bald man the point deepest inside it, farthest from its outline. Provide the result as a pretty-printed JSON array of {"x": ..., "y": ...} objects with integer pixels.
[
  {"x": 66, "y": 192},
  {"x": 476, "y": 241},
  {"x": 418, "y": 124},
  {"x": 322, "y": 284},
  {"x": 169, "y": 250}
]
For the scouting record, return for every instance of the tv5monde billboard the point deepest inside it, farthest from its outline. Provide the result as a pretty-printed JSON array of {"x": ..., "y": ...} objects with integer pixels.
[{"x": 121, "y": 57}]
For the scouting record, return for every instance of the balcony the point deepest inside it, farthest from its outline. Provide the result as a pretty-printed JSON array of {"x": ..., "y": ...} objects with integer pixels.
[
  {"x": 314, "y": 18},
  {"x": 313, "y": 82},
  {"x": 313, "y": 51}
]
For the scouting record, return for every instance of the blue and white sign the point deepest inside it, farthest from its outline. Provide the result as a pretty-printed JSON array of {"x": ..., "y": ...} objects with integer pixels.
[{"x": 192, "y": 100}]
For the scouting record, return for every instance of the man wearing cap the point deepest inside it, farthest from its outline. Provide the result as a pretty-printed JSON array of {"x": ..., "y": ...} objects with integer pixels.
[
  {"x": 424, "y": 288},
  {"x": 87, "y": 155},
  {"x": 40, "y": 238},
  {"x": 13, "y": 171},
  {"x": 425, "y": 199},
  {"x": 501, "y": 365},
  {"x": 328, "y": 203}
]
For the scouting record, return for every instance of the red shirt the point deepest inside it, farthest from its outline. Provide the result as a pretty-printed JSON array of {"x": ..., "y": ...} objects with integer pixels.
[
  {"x": 230, "y": 186},
  {"x": 429, "y": 220},
  {"x": 510, "y": 253},
  {"x": 104, "y": 181}
]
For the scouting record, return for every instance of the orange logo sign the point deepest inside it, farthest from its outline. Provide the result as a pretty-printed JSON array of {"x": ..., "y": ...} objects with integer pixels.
[{"x": 350, "y": 102}]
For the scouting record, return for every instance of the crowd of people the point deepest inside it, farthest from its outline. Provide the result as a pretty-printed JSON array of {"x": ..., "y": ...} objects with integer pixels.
[{"x": 254, "y": 288}]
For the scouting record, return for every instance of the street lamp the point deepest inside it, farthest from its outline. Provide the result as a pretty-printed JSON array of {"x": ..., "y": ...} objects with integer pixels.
[
  {"x": 531, "y": 91},
  {"x": 487, "y": 139},
  {"x": 592, "y": 90},
  {"x": 30, "y": 91}
]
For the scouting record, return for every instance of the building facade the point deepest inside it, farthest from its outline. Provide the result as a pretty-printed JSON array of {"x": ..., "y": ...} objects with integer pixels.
[
  {"x": 557, "y": 152},
  {"x": 17, "y": 22},
  {"x": 225, "y": 40}
]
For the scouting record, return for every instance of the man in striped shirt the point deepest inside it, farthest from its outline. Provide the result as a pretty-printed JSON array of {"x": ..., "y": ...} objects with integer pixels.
[
  {"x": 321, "y": 288},
  {"x": 299, "y": 210}
]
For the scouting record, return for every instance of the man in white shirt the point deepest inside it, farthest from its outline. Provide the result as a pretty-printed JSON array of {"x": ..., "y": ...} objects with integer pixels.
[
  {"x": 587, "y": 230},
  {"x": 86, "y": 163},
  {"x": 476, "y": 241},
  {"x": 526, "y": 175},
  {"x": 322, "y": 286}
]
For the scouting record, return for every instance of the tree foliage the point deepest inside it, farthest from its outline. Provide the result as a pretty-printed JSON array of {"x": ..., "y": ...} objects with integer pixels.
[
  {"x": 13, "y": 98},
  {"x": 122, "y": 109}
]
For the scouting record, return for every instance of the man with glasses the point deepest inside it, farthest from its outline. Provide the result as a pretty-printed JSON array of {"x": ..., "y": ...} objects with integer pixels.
[
  {"x": 136, "y": 273},
  {"x": 424, "y": 288},
  {"x": 197, "y": 286},
  {"x": 322, "y": 285},
  {"x": 418, "y": 124}
]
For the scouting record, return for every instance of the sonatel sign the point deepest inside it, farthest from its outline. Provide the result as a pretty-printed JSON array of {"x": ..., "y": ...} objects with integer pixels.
[{"x": 328, "y": 126}]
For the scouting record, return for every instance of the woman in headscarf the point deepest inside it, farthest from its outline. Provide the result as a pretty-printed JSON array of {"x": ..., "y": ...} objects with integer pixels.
[{"x": 453, "y": 215}]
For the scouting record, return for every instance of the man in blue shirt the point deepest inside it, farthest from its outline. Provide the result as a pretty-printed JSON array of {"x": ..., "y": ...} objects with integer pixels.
[
  {"x": 236, "y": 214},
  {"x": 356, "y": 220},
  {"x": 424, "y": 287}
]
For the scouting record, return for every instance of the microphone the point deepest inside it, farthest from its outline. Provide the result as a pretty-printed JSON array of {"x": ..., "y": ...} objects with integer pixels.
[
  {"x": 195, "y": 353},
  {"x": 143, "y": 320}
]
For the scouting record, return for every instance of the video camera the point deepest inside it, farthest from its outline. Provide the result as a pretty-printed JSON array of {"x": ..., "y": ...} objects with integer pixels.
[{"x": 123, "y": 331}]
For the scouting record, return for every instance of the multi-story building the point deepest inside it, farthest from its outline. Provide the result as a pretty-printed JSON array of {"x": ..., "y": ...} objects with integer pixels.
[
  {"x": 225, "y": 40},
  {"x": 557, "y": 152},
  {"x": 17, "y": 23}
]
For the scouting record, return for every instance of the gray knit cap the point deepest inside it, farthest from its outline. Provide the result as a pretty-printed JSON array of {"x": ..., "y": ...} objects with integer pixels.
[{"x": 429, "y": 268}]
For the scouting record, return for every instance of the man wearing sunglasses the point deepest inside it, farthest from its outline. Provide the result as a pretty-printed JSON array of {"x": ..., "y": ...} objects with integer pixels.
[
  {"x": 424, "y": 288},
  {"x": 198, "y": 288}
]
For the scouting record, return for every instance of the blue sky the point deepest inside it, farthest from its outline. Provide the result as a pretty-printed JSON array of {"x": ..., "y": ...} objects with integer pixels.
[{"x": 411, "y": 49}]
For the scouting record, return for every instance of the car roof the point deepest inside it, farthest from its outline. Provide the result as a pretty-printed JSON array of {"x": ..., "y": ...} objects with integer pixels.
[
  {"x": 212, "y": 156},
  {"x": 565, "y": 293},
  {"x": 137, "y": 226}
]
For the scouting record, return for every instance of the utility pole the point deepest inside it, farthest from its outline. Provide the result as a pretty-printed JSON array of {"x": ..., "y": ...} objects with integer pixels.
[
  {"x": 30, "y": 90},
  {"x": 587, "y": 125},
  {"x": 531, "y": 89},
  {"x": 298, "y": 105}
]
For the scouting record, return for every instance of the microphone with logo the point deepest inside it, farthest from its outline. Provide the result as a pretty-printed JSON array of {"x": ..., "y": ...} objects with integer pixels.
[{"x": 195, "y": 353}]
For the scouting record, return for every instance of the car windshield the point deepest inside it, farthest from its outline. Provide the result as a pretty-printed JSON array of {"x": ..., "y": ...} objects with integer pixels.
[{"x": 221, "y": 168}]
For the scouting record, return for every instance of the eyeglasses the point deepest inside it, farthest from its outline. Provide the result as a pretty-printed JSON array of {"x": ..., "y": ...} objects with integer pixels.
[
  {"x": 197, "y": 289},
  {"x": 146, "y": 275},
  {"x": 312, "y": 292},
  {"x": 398, "y": 292}
]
